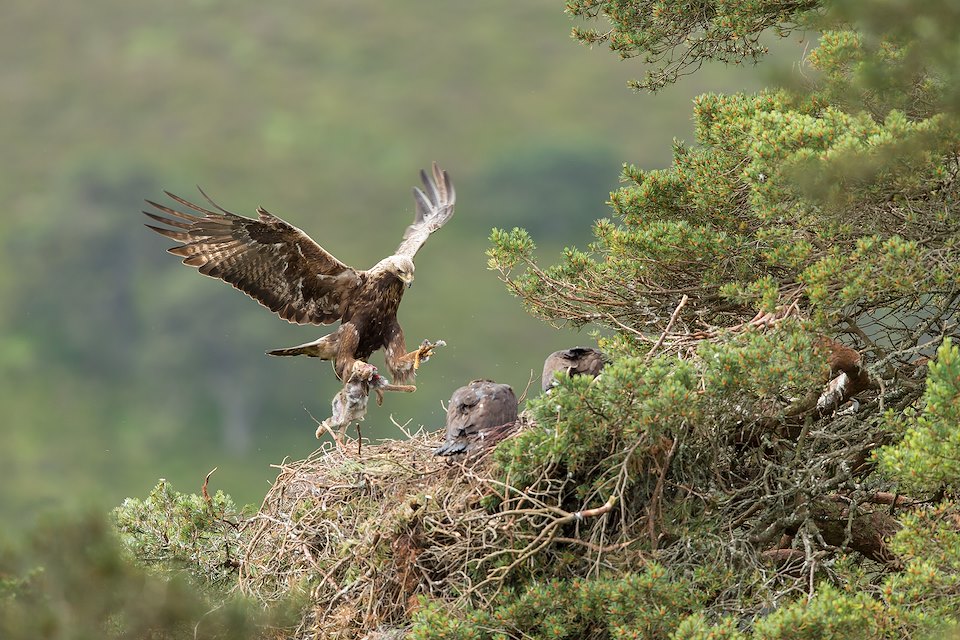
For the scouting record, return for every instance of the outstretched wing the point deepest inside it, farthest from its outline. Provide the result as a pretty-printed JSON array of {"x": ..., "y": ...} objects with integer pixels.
[
  {"x": 434, "y": 207},
  {"x": 270, "y": 260}
]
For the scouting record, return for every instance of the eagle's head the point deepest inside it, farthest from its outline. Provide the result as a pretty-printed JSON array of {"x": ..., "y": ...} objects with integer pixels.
[{"x": 399, "y": 266}]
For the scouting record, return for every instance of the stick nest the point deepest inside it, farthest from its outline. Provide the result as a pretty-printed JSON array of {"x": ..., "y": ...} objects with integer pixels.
[{"x": 366, "y": 534}]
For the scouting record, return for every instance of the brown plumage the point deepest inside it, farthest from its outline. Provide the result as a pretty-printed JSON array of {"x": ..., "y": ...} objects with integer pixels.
[
  {"x": 479, "y": 415},
  {"x": 848, "y": 376},
  {"x": 578, "y": 361},
  {"x": 280, "y": 267}
]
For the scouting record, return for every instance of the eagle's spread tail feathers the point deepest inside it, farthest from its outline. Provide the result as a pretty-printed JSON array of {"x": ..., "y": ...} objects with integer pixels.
[{"x": 325, "y": 348}]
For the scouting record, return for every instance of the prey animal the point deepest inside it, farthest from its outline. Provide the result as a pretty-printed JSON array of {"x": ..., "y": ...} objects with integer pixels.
[
  {"x": 350, "y": 403},
  {"x": 282, "y": 268}
]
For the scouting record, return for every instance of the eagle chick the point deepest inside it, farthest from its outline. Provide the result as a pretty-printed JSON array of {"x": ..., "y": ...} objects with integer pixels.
[
  {"x": 479, "y": 415},
  {"x": 578, "y": 361}
]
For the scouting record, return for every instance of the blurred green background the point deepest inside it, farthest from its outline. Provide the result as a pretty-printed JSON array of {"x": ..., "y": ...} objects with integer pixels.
[{"x": 119, "y": 366}]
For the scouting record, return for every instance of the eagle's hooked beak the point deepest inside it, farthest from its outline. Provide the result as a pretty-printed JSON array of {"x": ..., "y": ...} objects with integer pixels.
[{"x": 407, "y": 279}]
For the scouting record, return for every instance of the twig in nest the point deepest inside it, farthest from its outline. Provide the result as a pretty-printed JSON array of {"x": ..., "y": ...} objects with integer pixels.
[
  {"x": 530, "y": 380},
  {"x": 666, "y": 330},
  {"x": 610, "y": 548},
  {"x": 203, "y": 489},
  {"x": 403, "y": 427},
  {"x": 655, "y": 508},
  {"x": 547, "y": 535}
]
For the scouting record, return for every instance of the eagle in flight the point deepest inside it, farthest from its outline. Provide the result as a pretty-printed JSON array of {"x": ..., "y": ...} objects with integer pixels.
[{"x": 279, "y": 266}]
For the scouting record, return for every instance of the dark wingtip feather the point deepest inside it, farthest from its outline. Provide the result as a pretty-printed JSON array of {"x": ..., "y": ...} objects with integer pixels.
[
  {"x": 433, "y": 186},
  {"x": 187, "y": 204},
  {"x": 173, "y": 223},
  {"x": 427, "y": 183},
  {"x": 448, "y": 185},
  {"x": 211, "y": 201},
  {"x": 422, "y": 202},
  {"x": 441, "y": 177},
  {"x": 169, "y": 233},
  {"x": 172, "y": 212}
]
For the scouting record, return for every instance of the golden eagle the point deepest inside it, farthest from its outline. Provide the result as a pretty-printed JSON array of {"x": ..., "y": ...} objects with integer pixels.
[
  {"x": 280, "y": 267},
  {"x": 479, "y": 415},
  {"x": 849, "y": 377},
  {"x": 578, "y": 361}
]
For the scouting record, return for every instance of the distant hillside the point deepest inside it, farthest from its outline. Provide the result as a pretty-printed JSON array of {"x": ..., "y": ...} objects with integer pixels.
[{"x": 122, "y": 364}]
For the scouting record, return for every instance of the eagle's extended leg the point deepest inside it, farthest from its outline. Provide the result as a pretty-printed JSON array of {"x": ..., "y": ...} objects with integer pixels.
[
  {"x": 420, "y": 355},
  {"x": 403, "y": 366},
  {"x": 380, "y": 385},
  {"x": 423, "y": 353}
]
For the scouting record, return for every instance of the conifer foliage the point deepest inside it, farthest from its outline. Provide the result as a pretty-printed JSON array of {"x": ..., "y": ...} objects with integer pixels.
[
  {"x": 774, "y": 450},
  {"x": 800, "y": 220}
]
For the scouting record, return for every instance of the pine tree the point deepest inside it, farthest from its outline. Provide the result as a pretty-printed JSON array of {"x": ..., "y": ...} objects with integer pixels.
[
  {"x": 768, "y": 435},
  {"x": 774, "y": 451}
]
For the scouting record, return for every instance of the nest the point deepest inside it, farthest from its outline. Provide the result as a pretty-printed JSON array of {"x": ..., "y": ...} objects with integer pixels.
[{"x": 364, "y": 534}]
